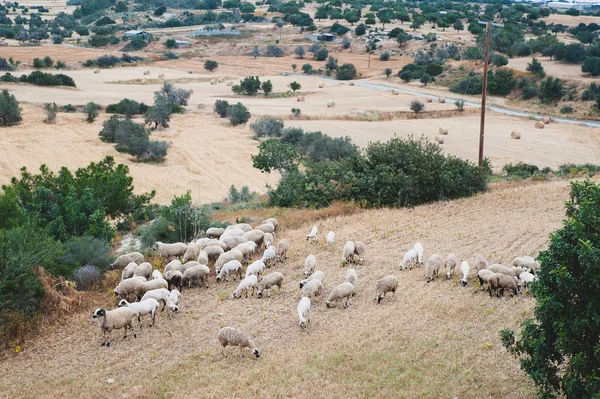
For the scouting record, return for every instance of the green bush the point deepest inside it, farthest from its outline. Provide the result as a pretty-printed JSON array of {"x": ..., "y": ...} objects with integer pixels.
[
  {"x": 551, "y": 90},
  {"x": 10, "y": 112},
  {"x": 499, "y": 60},
  {"x": 238, "y": 114},
  {"x": 384, "y": 56},
  {"x": 171, "y": 43},
  {"x": 591, "y": 93},
  {"x": 250, "y": 85},
  {"x": 468, "y": 85},
  {"x": 269, "y": 127},
  {"x": 567, "y": 109},
  {"x": 221, "y": 108},
  {"x": 434, "y": 69},
  {"x": 127, "y": 107},
  {"x": 91, "y": 111},
  {"x": 520, "y": 169},
  {"x": 321, "y": 54},
  {"x": 211, "y": 65},
  {"x": 345, "y": 72},
  {"x": 307, "y": 69},
  {"x": 501, "y": 82},
  {"x": 416, "y": 106},
  {"x": 39, "y": 78},
  {"x": 132, "y": 138},
  {"x": 86, "y": 250},
  {"x": 135, "y": 44}
]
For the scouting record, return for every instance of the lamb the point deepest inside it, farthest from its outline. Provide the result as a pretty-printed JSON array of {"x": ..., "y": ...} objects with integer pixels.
[
  {"x": 282, "y": 247},
  {"x": 213, "y": 252},
  {"x": 330, "y": 238},
  {"x": 480, "y": 263},
  {"x": 128, "y": 271},
  {"x": 234, "y": 337},
  {"x": 144, "y": 269},
  {"x": 215, "y": 232},
  {"x": 191, "y": 253},
  {"x": 351, "y": 277},
  {"x": 161, "y": 295},
  {"x": 433, "y": 267},
  {"x": 256, "y": 268},
  {"x": 348, "y": 253},
  {"x": 273, "y": 221},
  {"x": 172, "y": 303},
  {"x": 266, "y": 228},
  {"x": 129, "y": 286},
  {"x": 168, "y": 251},
  {"x": 273, "y": 279},
  {"x": 384, "y": 285},
  {"x": 234, "y": 254},
  {"x": 304, "y": 312},
  {"x": 318, "y": 275},
  {"x": 109, "y": 320},
  {"x": 203, "y": 257},
  {"x": 527, "y": 263},
  {"x": 233, "y": 266},
  {"x": 410, "y": 259},
  {"x": 451, "y": 262},
  {"x": 211, "y": 243},
  {"x": 312, "y": 288},
  {"x": 156, "y": 274},
  {"x": 142, "y": 308},
  {"x": 344, "y": 290},
  {"x": 255, "y": 235},
  {"x": 126, "y": 259},
  {"x": 269, "y": 255},
  {"x": 174, "y": 279},
  {"x": 419, "y": 251},
  {"x": 313, "y": 234},
  {"x": 268, "y": 240},
  {"x": 464, "y": 272},
  {"x": 196, "y": 274},
  {"x": 151, "y": 285},
  {"x": 244, "y": 285},
  {"x": 309, "y": 265},
  {"x": 484, "y": 276},
  {"x": 233, "y": 241},
  {"x": 360, "y": 250}
]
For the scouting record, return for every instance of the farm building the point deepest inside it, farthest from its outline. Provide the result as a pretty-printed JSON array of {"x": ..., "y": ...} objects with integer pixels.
[{"x": 130, "y": 34}]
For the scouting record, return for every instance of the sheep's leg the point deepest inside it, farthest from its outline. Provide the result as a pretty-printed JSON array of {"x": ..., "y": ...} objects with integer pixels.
[
  {"x": 246, "y": 292},
  {"x": 133, "y": 331},
  {"x": 108, "y": 342},
  {"x": 223, "y": 351},
  {"x": 104, "y": 338},
  {"x": 347, "y": 302},
  {"x": 164, "y": 304},
  {"x": 151, "y": 324}
]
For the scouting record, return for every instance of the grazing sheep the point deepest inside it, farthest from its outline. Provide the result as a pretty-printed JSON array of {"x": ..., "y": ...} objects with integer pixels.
[
  {"x": 144, "y": 269},
  {"x": 527, "y": 278},
  {"x": 233, "y": 242},
  {"x": 273, "y": 279},
  {"x": 330, "y": 238},
  {"x": 497, "y": 268},
  {"x": 210, "y": 243},
  {"x": 527, "y": 263},
  {"x": 128, "y": 271},
  {"x": 504, "y": 282},
  {"x": 351, "y": 277},
  {"x": 191, "y": 253},
  {"x": 174, "y": 265},
  {"x": 313, "y": 234},
  {"x": 268, "y": 240},
  {"x": 269, "y": 256},
  {"x": 213, "y": 252},
  {"x": 384, "y": 285},
  {"x": 126, "y": 259},
  {"x": 282, "y": 247},
  {"x": 480, "y": 263},
  {"x": 255, "y": 235},
  {"x": 196, "y": 275},
  {"x": 348, "y": 253},
  {"x": 109, "y": 320},
  {"x": 151, "y": 285},
  {"x": 273, "y": 221},
  {"x": 360, "y": 250},
  {"x": 129, "y": 286},
  {"x": 256, "y": 268},
  {"x": 173, "y": 303},
  {"x": 234, "y": 254},
  {"x": 318, "y": 275},
  {"x": 215, "y": 232},
  {"x": 266, "y": 228},
  {"x": 233, "y": 266},
  {"x": 304, "y": 311},
  {"x": 168, "y": 251},
  {"x": 247, "y": 249},
  {"x": 232, "y": 231},
  {"x": 410, "y": 259},
  {"x": 440, "y": 139},
  {"x": 156, "y": 274},
  {"x": 234, "y": 337},
  {"x": 161, "y": 295},
  {"x": 443, "y": 131},
  {"x": 148, "y": 306},
  {"x": 244, "y": 285},
  {"x": 433, "y": 267},
  {"x": 451, "y": 262},
  {"x": 419, "y": 251},
  {"x": 174, "y": 278},
  {"x": 202, "y": 258},
  {"x": 344, "y": 290},
  {"x": 245, "y": 227},
  {"x": 312, "y": 288},
  {"x": 464, "y": 272},
  {"x": 484, "y": 276},
  {"x": 309, "y": 265},
  {"x": 517, "y": 270}
]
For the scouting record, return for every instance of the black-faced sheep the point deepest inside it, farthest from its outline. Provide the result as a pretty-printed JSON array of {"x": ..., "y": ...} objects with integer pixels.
[
  {"x": 234, "y": 337},
  {"x": 384, "y": 285},
  {"x": 271, "y": 280},
  {"x": 344, "y": 290},
  {"x": 116, "y": 319}
]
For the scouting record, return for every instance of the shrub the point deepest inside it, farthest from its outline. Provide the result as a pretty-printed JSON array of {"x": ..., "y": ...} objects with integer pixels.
[
  {"x": 250, "y": 85},
  {"x": 346, "y": 43},
  {"x": 345, "y": 72},
  {"x": 91, "y": 111},
  {"x": 135, "y": 44},
  {"x": 425, "y": 78},
  {"x": 434, "y": 69},
  {"x": 535, "y": 67},
  {"x": 567, "y": 109},
  {"x": 529, "y": 92},
  {"x": 60, "y": 65},
  {"x": 274, "y": 51},
  {"x": 87, "y": 278},
  {"x": 501, "y": 82},
  {"x": 85, "y": 250},
  {"x": 360, "y": 30},
  {"x": 211, "y": 65},
  {"x": 460, "y": 105},
  {"x": 5, "y": 65},
  {"x": 300, "y": 52},
  {"x": 331, "y": 64},
  {"x": 238, "y": 114},
  {"x": 127, "y": 107},
  {"x": 296, "y": 112},
  {"x": 416, "y": 106},
  {"x": 39, "y": 78},
  {"x": 68, "y": 108},
  {"x": 499, "y": 60},
  {"x": 591, "y": 93},
  {"x": 522, "y": 170},
  {"x": 51, "y": 110},
  {"x": 307, "y": 69},
  {"x": 387, "y": 72},
  {"x": 551, "y": 90},
  {"x": 468, "y": 85},
  {"x": 384, "y": 56},
  {"x": 321, "y": 54},
  {"x": 269, "y": 127},
  {"x": 133, "y": 139},
  {"x": 105, "y": 21},
  {"x": 171, "y": 43},
  {"x": 10, "y": 112},
  {"x": 422, "y": 58},
  {"x": 266, "y": 87},
  {"x": 295, "y": 86},
  {"x": 591, "y": 65},
  {"x": 221, "y": 108}
]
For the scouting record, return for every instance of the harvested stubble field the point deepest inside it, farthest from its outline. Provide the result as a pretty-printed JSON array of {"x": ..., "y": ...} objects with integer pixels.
[
  {"x": 431, "y": 340},
  {"x": 555, "y": 68}
]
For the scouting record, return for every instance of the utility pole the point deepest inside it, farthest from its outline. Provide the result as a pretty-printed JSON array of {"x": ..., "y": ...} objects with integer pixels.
[{"x": 486, "y": 61}]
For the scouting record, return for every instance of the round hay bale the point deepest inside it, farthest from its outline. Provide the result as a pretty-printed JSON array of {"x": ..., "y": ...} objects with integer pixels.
[
  {"x": 441, "y": 100},
  {"x": 191, "y": 91},
  {"x": 300, "y": 99},
  {"x": 213, "y": 81},
  {"x": 351, "y": 83},
  {"x": 321, "y": 85},
  {"x": 190, "y": 72},
  {"x": 440, "y": 139},
  {"x": 515, "y": 135},
  {"x": 230, "y": 83},
  {"x": 546, "y": 120},
  {"x": 443, "y": 131},
  {"x": 220, "y": 79},
  {"x": 146, "y": 73},
  {"x": 201, "y": 106},
  {"x": 161, "y": 76},
  {"x": 96, "y": 71},
  {"x": 395, "y": 92},
  {"x": 539, "y": 125},
  {"x": 331, "y": 104},
  {"x": 429, "y": 99},
  {"x": 144, "y": 82}
]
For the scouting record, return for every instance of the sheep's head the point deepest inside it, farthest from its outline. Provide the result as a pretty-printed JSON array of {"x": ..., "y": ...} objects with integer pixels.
[
  {"x": 155, "y": 246},
  {"x": 303, "y": 323},
  {"x": 176, "y": 309},
  {"x": 328, "y": 304},
  {"x": 99, "y": 313},
  {"x": 122, "y": 303},
  {"x": 219, "y": 278},
  {"x": 379, "y": 298},
  {"x": 256, "y": 352},
  {"x": 259, "y": 294},
  {"x": 236, "y": 294}
]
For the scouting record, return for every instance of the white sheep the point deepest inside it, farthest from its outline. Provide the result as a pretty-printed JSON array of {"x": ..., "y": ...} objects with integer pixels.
[
  {"x": 312, "y": 288},
  {"x": 161, "y": 295},
  {"x": 527, "y": 278},
  {"x": 234, "y": 337},
  {"x": 203, "y": 257},
  {"x": 151, "y": 285},
  {"x": 480, "y": 263},
  {"x": 168, "y": 251},
  {"x": 309, "y": 265},
  {"x": 433, "y": 267},
  {"x": 498, "y": 268},
  {"x": 313, "y": 234},
  {"x": 266, "y": 228},
  {"x": 255, "y": 236},
  {"x": 256, "y": 268},
  {"x": 143, "y": 269},
  {"x": 484, "y": 276},
  {"x": 268, "y": 240},
  {"x": 129, "y": 286},
  {"x": 273, "y": 221},
  {"x": 282, "y": 247},
  {"x": 318, "y": 275},
  {"x": 109, "y": 320},
  {"x": 304, "y": 311},
  {"x": 247, "y": 249},
  {"x": 527, "y": 263},
  {"x": 344, "y": 290},
  {"x": 172, "y": 303},
  {"x": 245, "y": 227},
  {"x": 156, "y": 274},
  {"x": 232, "y": 242},
  {"x": 502, "y": 282},
  {"x": 174, "y": 265},
  {"x": 148, "y": 306},
  {"x": 126, "y": 259},
  {"x": 464, "y": 272},
  {"x": 451, "y": 263},
  {"x": 269, "y": 256},
  {"x": 214, "y": 232},
  {"x": 232, "y": 232},
  {"x": 418, "y": 247},
  {"x": 517, "y": 270},
  {"x": 191, "y": 253},
  {"x": 409, "y": 259},
  {"x": 351, "y": 277},
  {"x": 228, "y": 256},
  {"x": 174, "y": 278},
  {"x": 360, "y": 250},
  {"x": 384, "y": 285},
  {"x": 271, "y": 280},
  {"x": 213, "y": 252},
  {"x": 249, "y": 282},
  {"x": 330, "y": 238},
  {"x": 233, "y": 266},
  {"x": 210, "y": 243},
  {"x": 196, "y": 275},
  {"x": 348, "y": 252},
  {"x": 128, "y": 271}
]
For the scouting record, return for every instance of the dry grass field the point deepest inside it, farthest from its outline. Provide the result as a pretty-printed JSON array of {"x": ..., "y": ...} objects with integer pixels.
[
  {"x": 559, "y": 69},
  {"x": 431, "y": 340}
]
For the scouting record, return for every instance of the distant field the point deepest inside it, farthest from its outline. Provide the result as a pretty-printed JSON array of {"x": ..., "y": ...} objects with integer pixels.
[{"x": 559, "y": 69}]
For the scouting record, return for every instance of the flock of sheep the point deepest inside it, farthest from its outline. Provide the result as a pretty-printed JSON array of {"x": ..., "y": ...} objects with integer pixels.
[{"x": 234, "y": 247}]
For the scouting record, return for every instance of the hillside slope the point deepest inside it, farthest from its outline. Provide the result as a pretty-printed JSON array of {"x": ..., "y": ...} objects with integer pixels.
[{"x": 431, "y": 340}]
